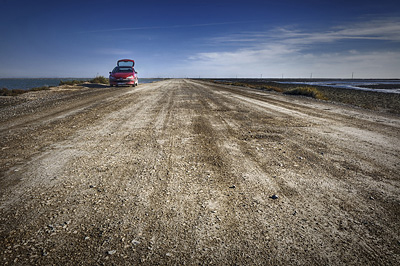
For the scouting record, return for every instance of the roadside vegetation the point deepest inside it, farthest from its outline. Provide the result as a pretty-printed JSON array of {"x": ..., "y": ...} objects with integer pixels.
[
  {"x": 272, "y": 86},
  {"x": 307, "y": 91},
  {"x": 387, "y": 102},
  {"x": 265, "y": 87},
  {"x": 15, "y": 92},
  {"x": 100, "y": 80},
  {"x": 71, "y": 82}
]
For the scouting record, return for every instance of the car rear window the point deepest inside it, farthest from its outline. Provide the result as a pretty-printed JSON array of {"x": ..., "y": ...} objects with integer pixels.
[{"x": 125, "y": 63}]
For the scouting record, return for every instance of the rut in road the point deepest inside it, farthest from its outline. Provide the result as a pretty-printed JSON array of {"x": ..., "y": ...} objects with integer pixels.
[{"x": 183, "y": 172}]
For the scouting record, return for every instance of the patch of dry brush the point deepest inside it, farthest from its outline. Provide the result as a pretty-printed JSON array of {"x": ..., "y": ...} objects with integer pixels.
[{"x": 307, "y": 91}]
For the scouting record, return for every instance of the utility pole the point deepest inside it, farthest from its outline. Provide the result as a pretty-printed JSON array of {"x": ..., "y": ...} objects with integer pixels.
[
  {"x": 311, "y": 76},
  {"x": 352, "y": 75},
  {"x": 261, "y": 75}
]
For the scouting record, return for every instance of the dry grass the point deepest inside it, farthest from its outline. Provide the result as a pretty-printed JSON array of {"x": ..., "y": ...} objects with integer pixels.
[
  {"x": 100, "y": 80},
  {"x": 16, "y": 92},
  {"x": 386, "y": 102},
  {"x": 265, "y": 87},
  {"x": 13, "y": 92},
  {"x": 71, "y": 82},
  {"x": 307, "y": 91}
]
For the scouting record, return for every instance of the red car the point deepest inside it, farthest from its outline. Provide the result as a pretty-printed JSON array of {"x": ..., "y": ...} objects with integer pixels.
[{"x": 124, "y": 73}]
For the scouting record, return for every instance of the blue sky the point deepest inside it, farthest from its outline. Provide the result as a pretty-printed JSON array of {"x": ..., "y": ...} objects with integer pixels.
[{"x": 201, "y": 38}]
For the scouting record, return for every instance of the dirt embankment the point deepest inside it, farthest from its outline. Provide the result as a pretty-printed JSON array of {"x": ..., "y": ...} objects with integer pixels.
[{"x": 191, "y": 172}]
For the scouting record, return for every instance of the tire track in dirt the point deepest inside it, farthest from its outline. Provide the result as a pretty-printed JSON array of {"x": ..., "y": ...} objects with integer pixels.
[
  {"x": 181, "y": 172},
  {"x": 298, "y": 144},
  {"x": 317, "y": 109}
]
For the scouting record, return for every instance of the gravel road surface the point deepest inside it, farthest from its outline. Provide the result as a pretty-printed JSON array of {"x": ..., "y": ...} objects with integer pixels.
[{"x": 184, "y": 172}]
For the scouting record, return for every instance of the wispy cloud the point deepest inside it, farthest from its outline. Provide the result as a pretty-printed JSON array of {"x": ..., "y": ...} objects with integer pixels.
[
  {"x": 299, "y": 52},
  {"x": 384, "y": 29}
]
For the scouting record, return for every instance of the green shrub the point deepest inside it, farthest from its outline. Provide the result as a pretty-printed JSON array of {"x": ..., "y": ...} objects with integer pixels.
[
  {"x": 13, "y": 92},
  {"x": 43, "y": 88},
  {"x": 100, "y": 79},
  {"x": 269, "y": 88},
  {"x": 253, "y": 85},
  {"x": 71, "y": 82},
  {"x": 307, "y": 91}
]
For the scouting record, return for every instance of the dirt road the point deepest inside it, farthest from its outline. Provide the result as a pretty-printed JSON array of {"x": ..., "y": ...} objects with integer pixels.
[{"x": 190, "y": 172}]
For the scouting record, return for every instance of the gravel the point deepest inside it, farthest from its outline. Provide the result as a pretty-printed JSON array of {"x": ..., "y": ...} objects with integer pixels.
[{"x": 182, "y": 171}]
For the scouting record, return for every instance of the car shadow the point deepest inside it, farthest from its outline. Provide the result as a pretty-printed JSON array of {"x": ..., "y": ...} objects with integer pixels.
[{"x": 95, "y": 85}]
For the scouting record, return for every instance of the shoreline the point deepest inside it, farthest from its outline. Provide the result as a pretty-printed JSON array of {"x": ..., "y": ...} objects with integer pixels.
[
  {"x": 29, "y": 83},
  {"x": 378, "y": 85}
]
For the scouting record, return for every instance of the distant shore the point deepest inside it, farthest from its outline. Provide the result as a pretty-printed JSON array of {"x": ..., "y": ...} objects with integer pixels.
[
  {"x": 381, "y": 85},
  {"x": 29, "y": 83}
]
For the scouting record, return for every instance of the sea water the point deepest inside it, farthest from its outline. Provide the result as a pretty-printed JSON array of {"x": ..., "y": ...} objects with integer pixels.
[
  {"x": 26, "y": 84},
  {"x": 353, "y": 84}
]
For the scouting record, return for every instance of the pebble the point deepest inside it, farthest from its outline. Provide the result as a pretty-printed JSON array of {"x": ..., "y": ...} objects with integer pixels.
[
  {"x": 111, "y": 252},
  {"x": 274, "y": 197},
  {"x": 135, "y": 242}
]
